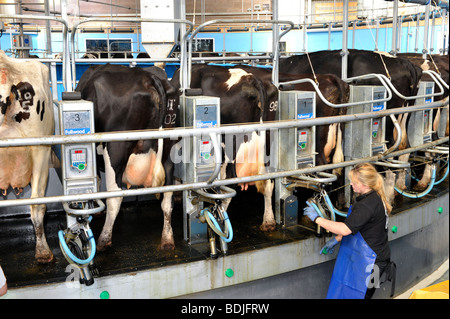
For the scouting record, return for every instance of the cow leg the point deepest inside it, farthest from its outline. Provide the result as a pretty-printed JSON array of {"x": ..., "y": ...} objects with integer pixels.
[
  {"x": 112, "y": 210},
  {"x": 401, "y": 179},
  {"x": 389, "y": 183},
  {"x": 39, "y": 178},
  {"x": 167, "y": 241},
  {"x": 268, "y": 218},
  {"x": 112, "y": 204},
  {"x": 425, "y": 180}
]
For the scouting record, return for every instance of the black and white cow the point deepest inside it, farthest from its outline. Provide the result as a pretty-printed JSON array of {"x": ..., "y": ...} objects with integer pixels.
[
  {"x": 128, "y": 99},
  {"x": 26, "y": 111},
  {"x": 243, "y": 99},
  {"x": 404, "y": 75}
]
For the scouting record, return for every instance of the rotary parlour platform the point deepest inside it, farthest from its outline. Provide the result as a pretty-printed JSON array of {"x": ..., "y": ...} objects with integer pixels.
[{"x": 280, "y": 264}]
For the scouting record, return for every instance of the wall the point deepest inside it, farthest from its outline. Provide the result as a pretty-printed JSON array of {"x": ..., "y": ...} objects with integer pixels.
[{"x": 262, "y": 41}]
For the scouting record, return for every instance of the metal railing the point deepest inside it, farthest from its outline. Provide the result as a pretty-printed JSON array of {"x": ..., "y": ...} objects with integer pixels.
[
  {"x": 136, "y": 20},
  {"x": 174, "y": 134},
  {"x": 37, "y": 17}
]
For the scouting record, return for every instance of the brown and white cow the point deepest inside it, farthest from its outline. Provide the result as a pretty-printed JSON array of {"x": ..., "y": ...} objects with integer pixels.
[
  {"x": 328, "y": 137},
  {"x": 26, "y": 111}
]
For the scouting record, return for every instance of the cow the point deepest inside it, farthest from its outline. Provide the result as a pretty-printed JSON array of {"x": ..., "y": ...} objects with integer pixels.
[
  {"x": 438, "y": 64},
  {"x": 26, "y": 111},
  {"x": 403, "y": 74},
  {"x": 332, "y": 88},
  {"x": 243, "y": 99},
  {"x": 328, "y": 137},
  {"x": 128, "y": 99}
]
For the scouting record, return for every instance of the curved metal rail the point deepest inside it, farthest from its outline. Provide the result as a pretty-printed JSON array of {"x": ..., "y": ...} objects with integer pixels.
[
  {"x": 186, "y": 80},
  {"x": 65, "y": 28},
  {"x": 119, "y": 19}
]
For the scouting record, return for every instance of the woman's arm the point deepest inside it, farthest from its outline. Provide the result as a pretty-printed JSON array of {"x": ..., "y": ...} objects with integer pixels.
[{"x": 337, "y": 228}]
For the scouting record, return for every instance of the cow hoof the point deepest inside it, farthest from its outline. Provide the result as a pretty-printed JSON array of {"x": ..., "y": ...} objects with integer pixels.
[
  {"x": 104, "y": 246},
  {"x": 44, "y": 258},
  {"x": 167, "y": 246},
  {"x": 419, "y": 187},
  {"x": 268, "y": 227}
]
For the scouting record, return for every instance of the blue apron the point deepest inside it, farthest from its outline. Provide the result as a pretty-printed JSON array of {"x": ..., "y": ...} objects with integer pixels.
[{"x": 352, "y": 269}]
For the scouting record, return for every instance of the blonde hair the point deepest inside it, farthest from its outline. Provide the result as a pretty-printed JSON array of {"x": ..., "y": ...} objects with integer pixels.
[{"x": 367, "y": 174}]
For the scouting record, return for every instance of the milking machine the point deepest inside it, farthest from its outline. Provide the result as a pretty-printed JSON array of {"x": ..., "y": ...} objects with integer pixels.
[
  {"x": 296, "y": 150},
  {"x": 366, "y": 138},
  {"x": 420, "y": 131},
  {"x": 79, "y": 176},
  {"x": 201, "y": 162}
]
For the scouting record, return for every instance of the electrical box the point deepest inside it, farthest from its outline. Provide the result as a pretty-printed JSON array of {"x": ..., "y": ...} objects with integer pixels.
[
  {"x": 22, "y": 42},
  {"x": 79, "y": 169},
  {"x": 296, "y": 149},
  {"x": 199, "y": 155},
  {"x": 198, "y": 159},
  {"x": 420, "y": 125},
  {"x": 364, "y": 138}
]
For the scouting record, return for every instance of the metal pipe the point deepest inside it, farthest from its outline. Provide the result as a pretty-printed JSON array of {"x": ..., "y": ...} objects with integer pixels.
[
  {"x": 425, "y": 32},
  {"x": 217, "y": 156},
  {"x": 174, "y": 134},
  {"x": 360, "y": 77},
  {"x": 217, "y": 183},
  {"x": 344, "y": 52},
  {"x": 394, "y": 28}
]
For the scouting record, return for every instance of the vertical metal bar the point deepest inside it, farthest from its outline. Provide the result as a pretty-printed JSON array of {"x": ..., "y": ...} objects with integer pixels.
[
  {"x": 416, "y": 49},
  {"x": 48, "y": 50},
  {"x": 425, "y": 32},
  {"x": 329, "y": 36},
  {"x": 394, "y": 28},
  {"x": 344, "y": 52},
  {"x": 433, "y": 27},
  {"x": 377, "y": 33},
  {"x": 275, "y": 44},
  {"x": 183, "y": 49}
]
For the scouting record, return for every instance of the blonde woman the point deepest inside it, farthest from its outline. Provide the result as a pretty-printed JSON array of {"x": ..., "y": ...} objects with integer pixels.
[{"x": 364, "y": 253}]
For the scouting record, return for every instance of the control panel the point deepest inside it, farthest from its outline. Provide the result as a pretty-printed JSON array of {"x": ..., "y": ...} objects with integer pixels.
[
  {"x": 364, "y": 138},
  {"x": 297, "y": 105},
  {"x": 200, "y": 112},
  {"x": 79, "y": 164},
  {"x": 420, "y": 125}
]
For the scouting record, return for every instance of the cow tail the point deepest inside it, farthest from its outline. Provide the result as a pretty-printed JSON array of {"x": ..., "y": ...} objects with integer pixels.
[
  {"x": 163, "y": 102},
  {"x": 338, "y": 156},
  {"x": 262, "y": 98}
]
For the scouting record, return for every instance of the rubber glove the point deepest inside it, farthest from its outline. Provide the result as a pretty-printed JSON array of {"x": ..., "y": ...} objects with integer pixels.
[
  {"x": 328, "y": 248},
  {"x": 310, "y": 212}
]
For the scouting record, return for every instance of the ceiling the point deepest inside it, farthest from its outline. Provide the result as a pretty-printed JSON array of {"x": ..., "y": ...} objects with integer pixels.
[{"x": 203, "y": 10}]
